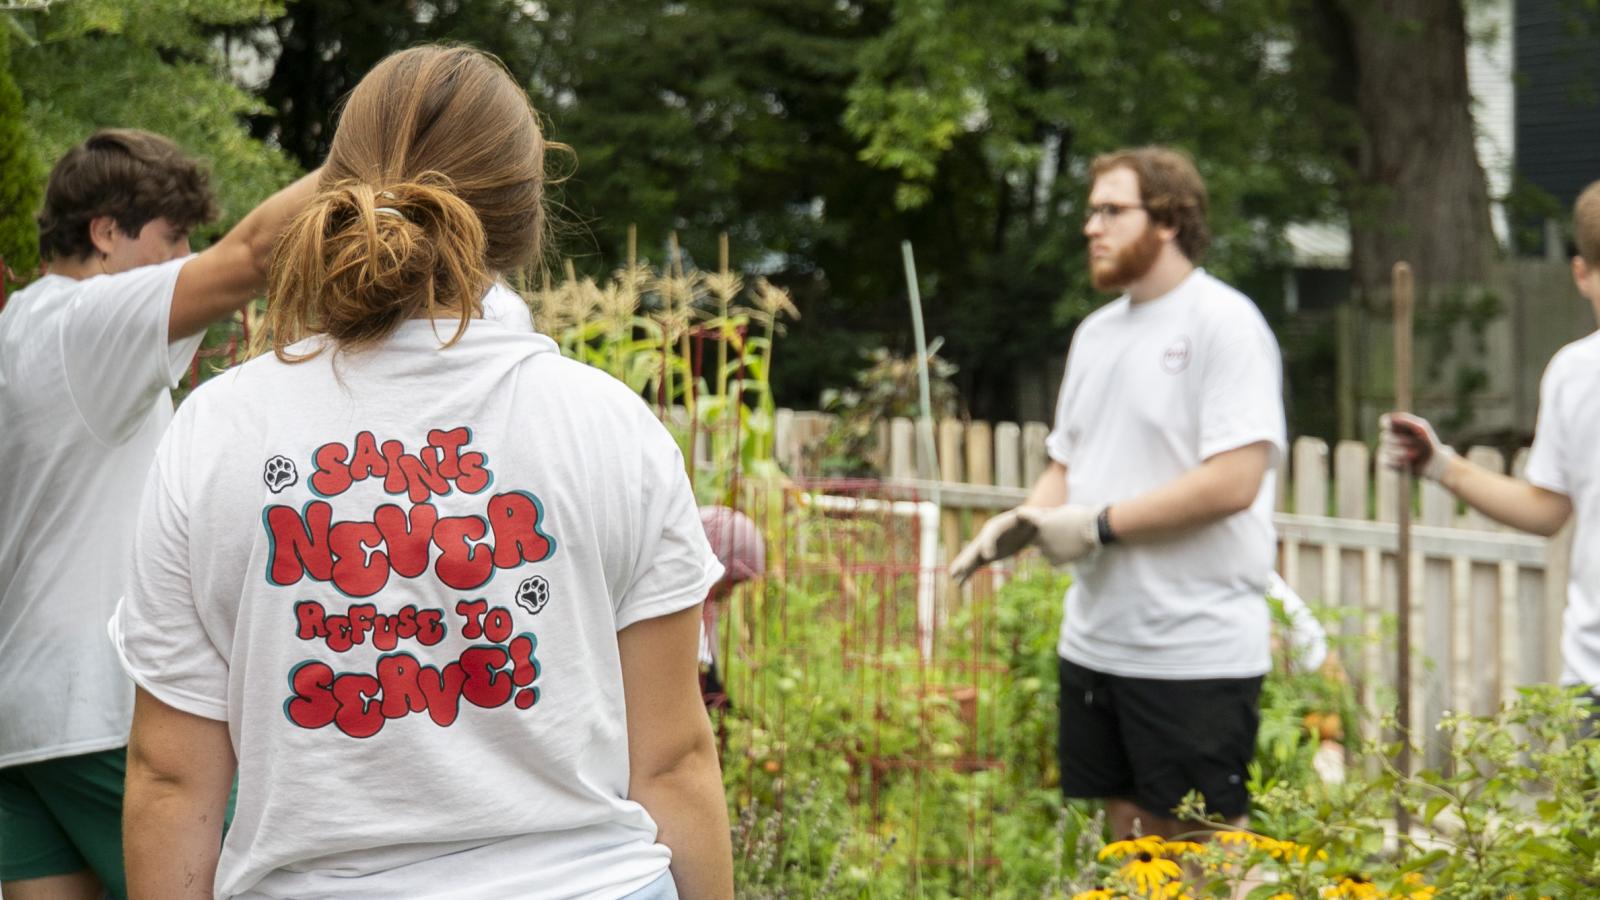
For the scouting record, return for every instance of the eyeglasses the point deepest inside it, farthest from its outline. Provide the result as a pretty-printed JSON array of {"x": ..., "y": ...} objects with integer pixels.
[{"x": 1108, "y": 211}]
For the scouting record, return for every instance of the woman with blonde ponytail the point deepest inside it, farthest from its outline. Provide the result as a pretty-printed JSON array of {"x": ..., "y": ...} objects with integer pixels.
[{"x": 429, "y": 588}]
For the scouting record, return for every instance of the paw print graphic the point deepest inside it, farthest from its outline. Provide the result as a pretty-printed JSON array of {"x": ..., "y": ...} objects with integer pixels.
[
  {"x": 279, "y": 473},
  {"x": 533, "y": 593}
]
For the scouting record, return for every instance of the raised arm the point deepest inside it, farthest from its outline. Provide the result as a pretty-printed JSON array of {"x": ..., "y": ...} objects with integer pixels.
[
  {"x": 672, "y": 754},
  {"x": 180, "y": 767},
  {"x": 229, "y": 273}
]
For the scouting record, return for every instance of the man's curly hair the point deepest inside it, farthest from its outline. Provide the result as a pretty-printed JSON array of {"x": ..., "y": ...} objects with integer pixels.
[{"x": 130, "y": 175}]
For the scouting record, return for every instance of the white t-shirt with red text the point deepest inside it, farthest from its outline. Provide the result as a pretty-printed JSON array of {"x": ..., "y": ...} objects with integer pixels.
[
  {"x": 398, "y": 575},
  {"x": 85, "y": 376},
  {"x": 1151, "y": 391}
]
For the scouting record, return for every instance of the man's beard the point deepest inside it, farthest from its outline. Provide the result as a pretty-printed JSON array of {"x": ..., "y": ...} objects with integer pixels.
[{"x": 1130, "y": 264}]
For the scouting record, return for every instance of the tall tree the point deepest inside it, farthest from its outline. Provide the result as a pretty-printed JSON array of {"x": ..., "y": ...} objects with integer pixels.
[{"x": 1418, "y": 193}]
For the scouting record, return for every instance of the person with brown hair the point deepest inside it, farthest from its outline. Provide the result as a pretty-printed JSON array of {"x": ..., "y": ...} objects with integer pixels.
[
  {"x": 431, "y": 589},
  {"x": 1168, "y": 431},
  {"x": 1563, "y": 473},
  {"x": 88, "y": 355}
]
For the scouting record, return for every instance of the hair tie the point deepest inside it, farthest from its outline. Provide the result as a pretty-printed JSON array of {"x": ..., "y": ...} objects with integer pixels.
[{"x": 389, "y": 210}]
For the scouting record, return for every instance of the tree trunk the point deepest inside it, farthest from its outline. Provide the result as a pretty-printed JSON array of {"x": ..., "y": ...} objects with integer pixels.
[{"x": 1421, "y": 195}]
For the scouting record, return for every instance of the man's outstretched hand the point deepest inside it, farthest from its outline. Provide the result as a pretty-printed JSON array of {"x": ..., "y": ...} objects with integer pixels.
[{"x": 1004, "y": 535}]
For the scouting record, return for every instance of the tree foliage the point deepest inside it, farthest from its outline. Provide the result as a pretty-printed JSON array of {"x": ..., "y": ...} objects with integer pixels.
[
  {"x": 91, "y": 64},
  {"x": 822, "y": 133},
  {"x": 20, "y": 171},
  {"x": 827, "y": 132}
]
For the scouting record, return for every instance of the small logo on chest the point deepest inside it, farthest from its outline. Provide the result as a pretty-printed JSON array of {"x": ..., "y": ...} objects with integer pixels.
[{"x": 1175, "y": 358}]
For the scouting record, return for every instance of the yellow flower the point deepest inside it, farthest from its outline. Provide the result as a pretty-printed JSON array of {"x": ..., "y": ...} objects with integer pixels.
[
  {"x": 1282, "y": 896},
  {"x": 1354, "y": 887},
  {"x": 1095, "y": 894},
  {"x": 1180, "y": 848},
  {"x": 1244, "y": 838},
  {"x": 1416, "y": 888},
  {"x": 1287, "y": 850},
  {"x": 1172, "y": 890},
  {"x": 1150, "y": 844},
  {"x": 1150, "y": 871}
]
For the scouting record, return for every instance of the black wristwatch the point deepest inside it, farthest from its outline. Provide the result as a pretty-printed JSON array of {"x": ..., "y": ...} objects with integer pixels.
[{"x": 1102, "y": 527}]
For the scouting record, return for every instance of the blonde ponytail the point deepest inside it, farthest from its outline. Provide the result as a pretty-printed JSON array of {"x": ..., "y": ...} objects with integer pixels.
[
  {"x": 359, "y": 261},
  {"x": 434, "y": 184}
]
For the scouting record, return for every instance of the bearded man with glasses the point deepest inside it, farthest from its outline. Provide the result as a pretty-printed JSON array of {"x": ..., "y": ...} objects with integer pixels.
[{"x": 1168, "y": 432}]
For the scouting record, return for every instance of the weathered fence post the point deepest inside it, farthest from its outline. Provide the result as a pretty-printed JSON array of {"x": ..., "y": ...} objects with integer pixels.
[
  {"x": 1035, "y": 458},
  {"x": 902, "y": 448}
]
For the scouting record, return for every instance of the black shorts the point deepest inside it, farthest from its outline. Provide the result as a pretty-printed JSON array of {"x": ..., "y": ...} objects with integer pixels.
[{"x": 1152, "y": 741}]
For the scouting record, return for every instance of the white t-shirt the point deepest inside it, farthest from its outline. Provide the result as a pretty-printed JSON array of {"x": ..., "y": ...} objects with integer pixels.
[
  {"x": 1151, "y": 391},
  {"x": 85, "y": 370},
  {"x": 398, "y": 575},
  {"x": 503, "y": 305},
  {"x": 1563, "y": 460}
]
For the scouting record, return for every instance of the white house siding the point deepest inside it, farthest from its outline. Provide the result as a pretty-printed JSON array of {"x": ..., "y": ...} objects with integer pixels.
[{"x": 1491, "y": 68}]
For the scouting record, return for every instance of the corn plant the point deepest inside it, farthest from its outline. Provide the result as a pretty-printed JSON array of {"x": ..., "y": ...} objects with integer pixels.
[{"x": 698, "y": 345}]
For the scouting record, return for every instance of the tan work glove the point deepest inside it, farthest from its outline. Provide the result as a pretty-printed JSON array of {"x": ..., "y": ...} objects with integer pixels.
[
  {"x": 1066, "y": 533},
  {"x": 1408, "y": 442},
  {"x": 1002, "y": 536}
]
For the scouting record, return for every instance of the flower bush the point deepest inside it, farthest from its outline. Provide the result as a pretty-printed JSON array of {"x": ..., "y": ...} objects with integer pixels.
[{"x": 872, "y": 778}]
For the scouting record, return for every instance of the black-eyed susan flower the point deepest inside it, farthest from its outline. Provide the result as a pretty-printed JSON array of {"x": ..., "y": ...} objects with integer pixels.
[
  {"x": 1416, "y": 888},
  {"x": 1354, "y": 887},
  {"x": 1238, "y": 839},
  {"x": 1288, "y": 851},
  {"x": 1182, "y": 848},
  {"x": 1098, "y": 893},
  {"x": 1172, "y": 890},
  {"x": 1149, "y": 844},
  {"x": 1150, "y": 871}
]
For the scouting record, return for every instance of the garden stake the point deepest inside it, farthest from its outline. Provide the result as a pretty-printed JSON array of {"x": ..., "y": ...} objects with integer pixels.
[
  {"x": 928, "y": 464},
  {"x": 722, "y": 314},
  {"x": 1402, "y": 293}
]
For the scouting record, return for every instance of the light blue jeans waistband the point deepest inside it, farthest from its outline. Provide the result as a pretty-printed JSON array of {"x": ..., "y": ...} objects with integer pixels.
[{"x": 663, "y": 888}]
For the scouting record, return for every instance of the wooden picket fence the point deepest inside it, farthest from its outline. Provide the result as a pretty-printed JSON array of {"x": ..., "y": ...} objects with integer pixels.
[{"x": 1486, "y": 601}]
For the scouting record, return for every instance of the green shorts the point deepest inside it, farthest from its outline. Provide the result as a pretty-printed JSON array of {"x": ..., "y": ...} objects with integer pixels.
[{"x": 62, "y": 816}]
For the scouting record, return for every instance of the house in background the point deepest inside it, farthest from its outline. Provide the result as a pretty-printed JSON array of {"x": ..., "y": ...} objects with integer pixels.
[
  {"x": 1535, "y": 83},
  {"x": 1557, "y": 88}
]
